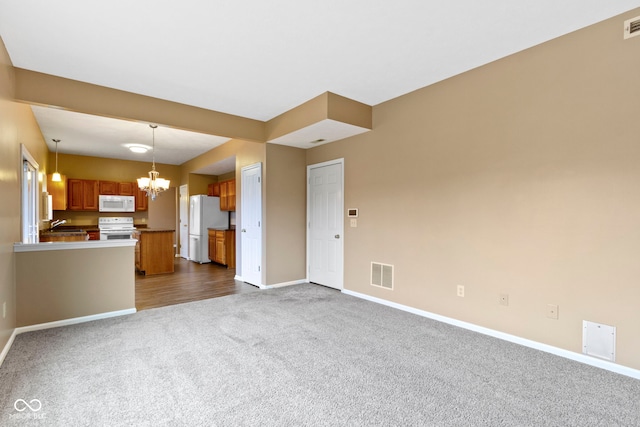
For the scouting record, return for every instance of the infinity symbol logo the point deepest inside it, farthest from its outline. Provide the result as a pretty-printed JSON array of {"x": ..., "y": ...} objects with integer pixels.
[{"x": 22, "y": 405}]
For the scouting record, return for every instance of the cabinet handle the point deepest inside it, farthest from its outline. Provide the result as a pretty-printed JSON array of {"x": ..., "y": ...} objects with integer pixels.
[
  {"x": 337, "y": 236},
  {"x": 244, "y": 231}
]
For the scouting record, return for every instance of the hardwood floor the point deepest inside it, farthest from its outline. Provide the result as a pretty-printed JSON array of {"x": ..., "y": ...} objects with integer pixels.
[{"x": 190, "y": 282}]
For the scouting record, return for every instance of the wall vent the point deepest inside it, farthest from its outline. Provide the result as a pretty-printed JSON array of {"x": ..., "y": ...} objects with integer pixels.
[
  {"x": 599, "y": 340},
  {"x": 632, "y": 27},
  {"x": 382, "y": 275}
]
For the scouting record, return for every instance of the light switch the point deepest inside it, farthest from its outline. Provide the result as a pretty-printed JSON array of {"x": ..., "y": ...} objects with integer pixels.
[{"x": 354, "y": 222}]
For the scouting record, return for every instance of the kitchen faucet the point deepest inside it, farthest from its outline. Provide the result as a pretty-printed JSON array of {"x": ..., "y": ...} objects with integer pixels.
[{"x": 56, "y": 222}]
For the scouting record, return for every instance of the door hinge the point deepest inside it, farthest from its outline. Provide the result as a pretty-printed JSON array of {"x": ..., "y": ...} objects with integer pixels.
[
  {"x": 259, "y": 179},
  {"x": 258, "y": 223},
  {"x": 258, "y": 268}
]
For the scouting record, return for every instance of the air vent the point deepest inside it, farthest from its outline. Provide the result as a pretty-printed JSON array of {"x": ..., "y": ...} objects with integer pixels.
[
  {"x": 382, "y": 275},
  {"x": 632, "y": 27}
]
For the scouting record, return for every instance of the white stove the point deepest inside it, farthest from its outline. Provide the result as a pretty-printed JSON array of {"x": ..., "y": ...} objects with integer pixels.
[{"x": 116, "y": 227}]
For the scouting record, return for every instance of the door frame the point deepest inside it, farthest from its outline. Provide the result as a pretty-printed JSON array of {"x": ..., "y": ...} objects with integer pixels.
[
  {"x": 340, "y": 162},
  {"x": 183, "y": 251}
]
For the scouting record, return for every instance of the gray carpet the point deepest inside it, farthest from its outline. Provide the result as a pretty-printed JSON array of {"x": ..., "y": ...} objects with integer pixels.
[{"x": 301, "y": 355}]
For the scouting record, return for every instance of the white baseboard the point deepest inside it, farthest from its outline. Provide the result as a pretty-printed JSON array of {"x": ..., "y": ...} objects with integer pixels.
[
  {"x": 578, "y": 357},
  {"x": 7, "y": 346},
  {"x": 74, "y": 320},
  {"x": 283, "y": 284},
  {"x": 59, "y": 323}
]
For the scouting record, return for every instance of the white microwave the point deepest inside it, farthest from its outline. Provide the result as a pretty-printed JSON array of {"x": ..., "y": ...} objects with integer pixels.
[{"x": 116, "y": 203}]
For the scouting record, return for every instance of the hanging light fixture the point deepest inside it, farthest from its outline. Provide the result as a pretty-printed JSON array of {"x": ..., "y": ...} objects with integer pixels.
[
  {"x": 56, "y": 176},
  {"x": 152, "y": 184}
]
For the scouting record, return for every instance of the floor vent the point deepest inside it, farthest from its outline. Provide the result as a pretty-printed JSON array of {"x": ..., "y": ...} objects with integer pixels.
[
  {"x": 632, "y": 27},
  {"x": 382, "y": 275}
]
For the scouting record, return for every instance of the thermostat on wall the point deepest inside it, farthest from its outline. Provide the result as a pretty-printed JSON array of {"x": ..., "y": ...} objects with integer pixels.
[{"x": 352, "y": 212}]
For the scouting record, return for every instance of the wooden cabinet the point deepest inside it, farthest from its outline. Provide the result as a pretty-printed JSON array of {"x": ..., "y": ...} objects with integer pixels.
[
  {"x": 154, "y": 252},
  {"x": 127, "y": 188},
  {"x": 94, "y": 234},
  {"x": 58, "y": 192},
  {"x": 222, "y": 247},
  {"x": 82, "y": 195},
  {"x": 228, "y": 195},
  {"x": 112, "y": 188},
  {"x": 213, "y": 189},
  {"x": 142, "y": 200},
  {"x": 109, "y": 188}
]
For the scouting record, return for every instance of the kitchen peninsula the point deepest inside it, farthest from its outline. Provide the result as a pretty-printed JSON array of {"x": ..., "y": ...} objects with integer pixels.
[
  {"x": 154, "y": 252},
  {"x": 73, "y": 280}
]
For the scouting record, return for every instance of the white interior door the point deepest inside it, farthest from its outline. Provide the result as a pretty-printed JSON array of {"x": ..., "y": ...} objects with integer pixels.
[
  {"x": 184, "y": 222},
  {"x": 325, "y": 201},
  {"x": 251, "y": 224}
]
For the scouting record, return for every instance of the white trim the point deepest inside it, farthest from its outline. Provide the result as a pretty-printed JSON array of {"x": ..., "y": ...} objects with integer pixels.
[
  {"x": 75, "y": 320},
  {"x": 7, "y": 346},
  {"x": 339, "y": 161},
  {"x": 59, "y": 323},
  {"x": 578, "y": 357},
  {"x": 283, "y": 284},
  {"x": 83, "y": 244}
]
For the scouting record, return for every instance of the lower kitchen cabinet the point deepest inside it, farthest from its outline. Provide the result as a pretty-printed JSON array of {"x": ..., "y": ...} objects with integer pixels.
[
  {"x": 222, "y": 247},
  {"x": 154, "y": 251}
]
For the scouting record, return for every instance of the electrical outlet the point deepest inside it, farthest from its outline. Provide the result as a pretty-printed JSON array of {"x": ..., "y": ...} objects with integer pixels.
[
  {"x": 504, "y": 299},
  {"x": 552, "y": 311},
  {"x": 354, "y": 222},
  {"x": 460, "y": 291}
]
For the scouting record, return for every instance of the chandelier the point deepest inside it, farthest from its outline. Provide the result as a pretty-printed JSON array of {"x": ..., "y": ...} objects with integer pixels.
[{"x": 153, "y": 185}]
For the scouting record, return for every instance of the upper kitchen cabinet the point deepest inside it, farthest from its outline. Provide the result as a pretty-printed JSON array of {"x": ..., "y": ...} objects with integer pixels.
[
  {"x": 127, "y": 188},
  {"x": 214, "y": 189},
  {"x": 228, "y": 195},
  {"x": 108, "y": 188},
  {"x": 142, "y": 200},
  {"x": 113, "y": 188},
  {"x": 58, "y": 192},
  {"x": 82, "y": 195}
]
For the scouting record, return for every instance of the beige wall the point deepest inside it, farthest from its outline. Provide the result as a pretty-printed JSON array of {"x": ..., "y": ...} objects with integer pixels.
[
  {"x": 73, "y": 283},
  {"x": 520, "y": 177},
  {"x": 285, "y": 212},
  {"x": 17, "y": 126}
]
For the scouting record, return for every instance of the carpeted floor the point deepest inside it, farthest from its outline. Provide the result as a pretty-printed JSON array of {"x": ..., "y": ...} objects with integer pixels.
[{"x": 301, "y": 355}]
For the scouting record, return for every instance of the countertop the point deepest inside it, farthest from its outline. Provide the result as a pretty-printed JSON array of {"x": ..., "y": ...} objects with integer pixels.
[
  {"x": 84, "y": 244},
  {"x": 221, "y": 229},
  {"x": 155, "y": 230}
]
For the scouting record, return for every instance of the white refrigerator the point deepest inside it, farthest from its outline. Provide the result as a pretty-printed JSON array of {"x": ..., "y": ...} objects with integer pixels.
[{"x": 204, "y": 213}]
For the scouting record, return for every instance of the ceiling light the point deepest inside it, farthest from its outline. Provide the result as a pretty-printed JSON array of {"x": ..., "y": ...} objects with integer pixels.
[
  {"x": 317, "y": 141},
  {"x": 152, "y": 184},
  {"x": 56, "y": 176},
  {"x": 138, "y": 148}
]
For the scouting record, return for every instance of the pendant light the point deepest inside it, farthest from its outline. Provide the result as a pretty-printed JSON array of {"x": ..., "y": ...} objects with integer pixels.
[
  {"x": 56, "y": 176},
  {"x": 153, "y": 185}
]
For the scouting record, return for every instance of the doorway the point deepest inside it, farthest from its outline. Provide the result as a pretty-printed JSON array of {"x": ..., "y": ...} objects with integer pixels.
[{"x": 325, "y": 232}]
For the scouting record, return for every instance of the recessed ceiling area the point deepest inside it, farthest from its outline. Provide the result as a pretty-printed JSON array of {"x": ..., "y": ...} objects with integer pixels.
[
  {"x": 329, "y": 130},
  {"x": 89, "y": 135}
]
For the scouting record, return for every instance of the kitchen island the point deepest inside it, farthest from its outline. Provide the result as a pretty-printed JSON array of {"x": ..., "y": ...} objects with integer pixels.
[
  {"x": 68, "y": 281},
  {"x": 154, "y": 253}
]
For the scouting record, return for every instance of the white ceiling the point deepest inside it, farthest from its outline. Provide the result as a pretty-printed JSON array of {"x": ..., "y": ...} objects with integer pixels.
[{"x": 258, "y": 58}]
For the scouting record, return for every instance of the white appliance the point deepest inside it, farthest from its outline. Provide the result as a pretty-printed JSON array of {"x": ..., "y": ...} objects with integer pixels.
[
  {"x": 116, "y": 203},
  {"x": 112, "y": 228},
  {"x": 204, "y": 213}
]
